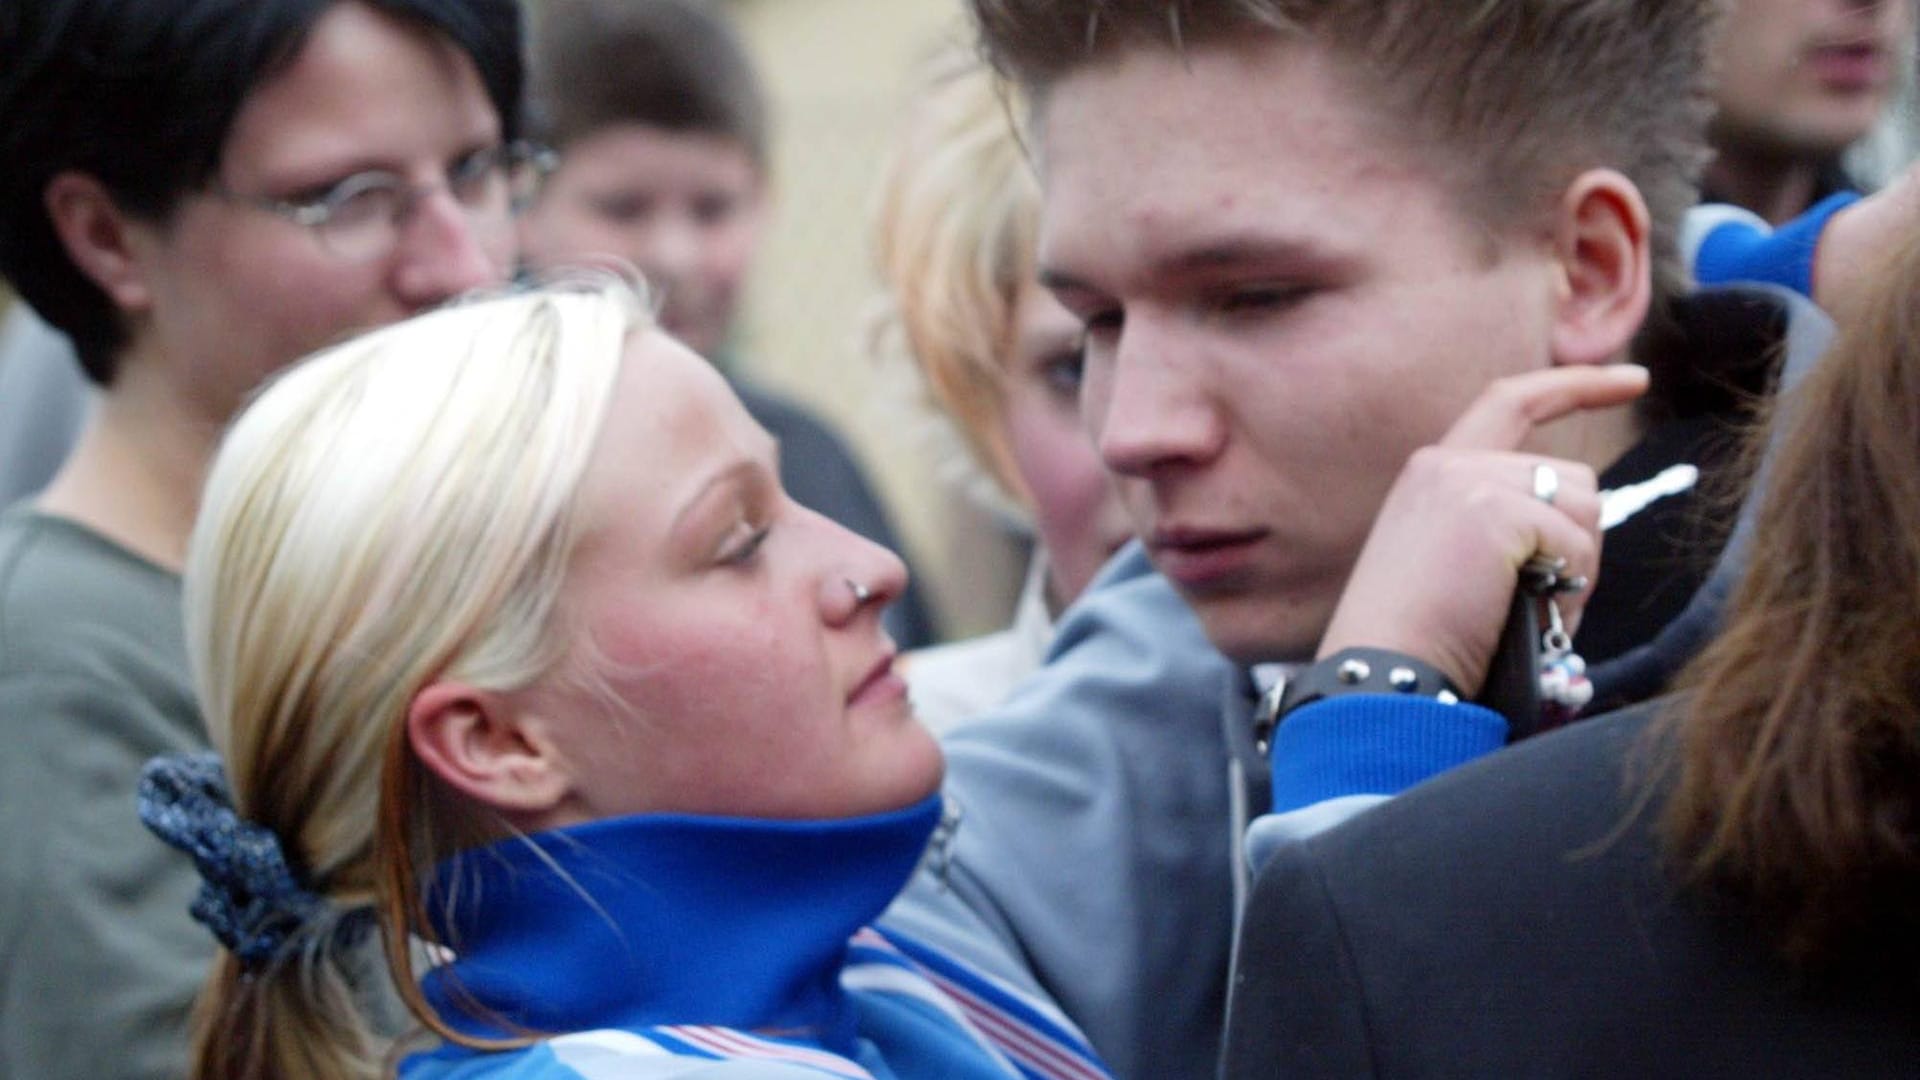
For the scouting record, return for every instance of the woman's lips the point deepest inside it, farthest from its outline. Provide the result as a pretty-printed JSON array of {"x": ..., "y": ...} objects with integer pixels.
[{"x": 880, "y": 684}]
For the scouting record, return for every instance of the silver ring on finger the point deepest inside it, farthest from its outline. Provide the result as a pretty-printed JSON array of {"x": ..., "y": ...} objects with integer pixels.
[{"x": 1546, "y": 483}]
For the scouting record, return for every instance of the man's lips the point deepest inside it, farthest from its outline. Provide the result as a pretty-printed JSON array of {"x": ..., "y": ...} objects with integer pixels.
[
  {"x": 1199, "y": 558},
  {"x": 1849, "y": 65}
]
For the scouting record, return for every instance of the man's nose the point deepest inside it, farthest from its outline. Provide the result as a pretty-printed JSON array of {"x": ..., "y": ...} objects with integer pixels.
[{"x": 1152, "y": 407}]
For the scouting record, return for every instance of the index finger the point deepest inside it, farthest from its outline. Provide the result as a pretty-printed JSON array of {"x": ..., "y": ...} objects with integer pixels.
[{"x": 1508, "y": 410}]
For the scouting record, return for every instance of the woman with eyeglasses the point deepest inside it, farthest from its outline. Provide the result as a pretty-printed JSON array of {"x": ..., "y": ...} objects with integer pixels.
[
  {"x": 554, "y": 686},
  {"x": 196, "y": 193}
]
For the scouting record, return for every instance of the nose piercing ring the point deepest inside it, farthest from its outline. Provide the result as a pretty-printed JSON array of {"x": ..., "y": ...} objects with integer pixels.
[{"x": 861, "y": 594}]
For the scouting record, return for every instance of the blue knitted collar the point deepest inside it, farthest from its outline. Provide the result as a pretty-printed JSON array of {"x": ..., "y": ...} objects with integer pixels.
[{"x": 686, "y": 920}]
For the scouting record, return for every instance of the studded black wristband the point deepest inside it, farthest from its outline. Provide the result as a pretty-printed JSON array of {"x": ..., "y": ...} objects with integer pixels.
[{"x": 1349, "y": 671}]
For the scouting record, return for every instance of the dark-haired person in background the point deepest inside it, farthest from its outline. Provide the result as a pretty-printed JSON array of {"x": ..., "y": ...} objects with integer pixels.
[
  {"x": 662, "y": 122},
  {"x": 1797, "y": 83},
  {"x": 197, "y": 192}
]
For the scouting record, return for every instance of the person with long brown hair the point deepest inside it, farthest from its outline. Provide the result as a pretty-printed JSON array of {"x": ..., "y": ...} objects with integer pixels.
[
  {"x": 1724, "y": 882},
  {"x": 1800, "y": 792}
]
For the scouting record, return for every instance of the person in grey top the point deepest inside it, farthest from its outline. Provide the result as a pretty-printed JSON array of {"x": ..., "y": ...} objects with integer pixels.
[
  {"x": 43, "y": 401},
  {"x": 100, "y": 959},
  {"x": 198, "y": 192}
]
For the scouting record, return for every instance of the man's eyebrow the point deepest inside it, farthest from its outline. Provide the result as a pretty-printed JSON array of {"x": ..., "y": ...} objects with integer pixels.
[
  {"x": 1240, "y": 251},
  {"x": 1212, "y": 255}
]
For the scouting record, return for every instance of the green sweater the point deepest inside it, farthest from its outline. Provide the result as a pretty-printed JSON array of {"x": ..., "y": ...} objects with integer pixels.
[{"x": 99, "y": 960}]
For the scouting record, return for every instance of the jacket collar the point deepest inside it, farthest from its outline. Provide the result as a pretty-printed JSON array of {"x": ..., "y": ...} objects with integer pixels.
[{"x": 668, "y": 919}]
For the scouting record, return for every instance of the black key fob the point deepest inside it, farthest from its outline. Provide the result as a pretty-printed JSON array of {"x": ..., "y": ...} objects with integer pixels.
[{"x": 1512, "y": 687}]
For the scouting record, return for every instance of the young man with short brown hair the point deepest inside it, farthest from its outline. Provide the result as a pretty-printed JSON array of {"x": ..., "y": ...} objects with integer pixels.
[{"x": 1355, "y": 277}]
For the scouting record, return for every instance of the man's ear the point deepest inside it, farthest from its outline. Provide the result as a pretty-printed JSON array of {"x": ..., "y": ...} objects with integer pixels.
[
  {"x": 1603, "y": 238},
  {"x": 100, "y": 238},
  {"x": 485, "y": 747}
]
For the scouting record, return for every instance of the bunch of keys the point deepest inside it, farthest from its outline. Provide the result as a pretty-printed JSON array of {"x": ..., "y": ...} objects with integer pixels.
[
  {"x": 1564, "y": 689},
  {"x": 1536, "y": 680}
]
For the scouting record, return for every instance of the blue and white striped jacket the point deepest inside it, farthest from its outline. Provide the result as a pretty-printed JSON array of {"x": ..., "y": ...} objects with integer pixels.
[{"x": 663, "y": 947}]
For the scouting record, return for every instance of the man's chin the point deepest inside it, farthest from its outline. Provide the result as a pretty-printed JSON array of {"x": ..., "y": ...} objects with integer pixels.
[{"x": 1257, "y": 630}]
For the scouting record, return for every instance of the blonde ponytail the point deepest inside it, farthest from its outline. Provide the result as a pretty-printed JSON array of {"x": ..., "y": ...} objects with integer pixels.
[{"x": 394, "y": 510}]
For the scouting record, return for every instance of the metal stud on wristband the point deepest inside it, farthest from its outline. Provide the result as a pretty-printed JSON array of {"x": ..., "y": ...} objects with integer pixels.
[{"x": 1349, "y": 671}]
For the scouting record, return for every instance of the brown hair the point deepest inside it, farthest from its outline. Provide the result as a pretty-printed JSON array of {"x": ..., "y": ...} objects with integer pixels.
[
  {"x": 1520, "y": 96},
  {"x": 1799, "y": 747},
  {"x": 671, "y": 64}
]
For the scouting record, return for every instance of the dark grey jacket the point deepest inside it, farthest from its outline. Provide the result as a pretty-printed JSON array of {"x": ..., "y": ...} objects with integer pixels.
[{"x": 1515, "y": 918}]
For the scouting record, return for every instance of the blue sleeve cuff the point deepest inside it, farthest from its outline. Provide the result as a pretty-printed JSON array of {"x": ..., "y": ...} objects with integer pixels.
[
  {"x": 1744, "y": 249},
  {"x": 1375, "y": 744}
]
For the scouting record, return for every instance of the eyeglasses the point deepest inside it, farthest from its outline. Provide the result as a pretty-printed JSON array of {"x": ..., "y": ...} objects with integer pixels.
[{"x": 359, "y": 218}]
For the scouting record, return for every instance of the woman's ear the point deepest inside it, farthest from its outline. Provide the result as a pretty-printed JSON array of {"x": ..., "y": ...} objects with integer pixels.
[
  {"x": 1603, "y": 239},
  {"x": 100, "y": 238},
  {"x": 486, "y": 747}
]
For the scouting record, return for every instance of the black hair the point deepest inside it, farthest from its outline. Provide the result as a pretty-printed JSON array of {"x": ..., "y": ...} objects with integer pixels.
[
  {"x": 678, "y": 65},
  {"x": 141, "y": 96}
]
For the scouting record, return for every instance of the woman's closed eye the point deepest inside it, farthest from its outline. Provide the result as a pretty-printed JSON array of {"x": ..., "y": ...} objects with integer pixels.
[{"x": 742, "y": 543}]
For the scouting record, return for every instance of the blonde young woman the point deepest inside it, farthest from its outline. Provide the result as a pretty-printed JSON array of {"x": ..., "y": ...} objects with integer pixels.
[
  {"x": 513, "y": 647},
  {"x": 998, "y": 356}
]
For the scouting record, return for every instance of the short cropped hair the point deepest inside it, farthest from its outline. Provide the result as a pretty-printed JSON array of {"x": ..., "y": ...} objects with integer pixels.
[
  {"x": 955, "y": 235},
  {"x": 1521, "y": 95},
  {"x": 142, "y": 96},
  {"x": 678, "y": 65}
]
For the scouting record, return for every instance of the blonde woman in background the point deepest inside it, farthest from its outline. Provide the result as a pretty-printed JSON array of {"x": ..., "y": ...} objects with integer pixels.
[
  {"x": 957, "y": 226},
  {"x": 554, "y": 678}
]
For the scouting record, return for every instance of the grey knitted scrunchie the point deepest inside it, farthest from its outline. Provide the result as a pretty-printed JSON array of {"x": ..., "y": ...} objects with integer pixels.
[{"x": 249, "y": 896}]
